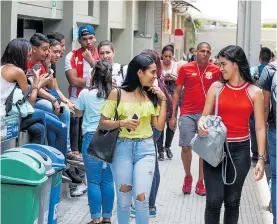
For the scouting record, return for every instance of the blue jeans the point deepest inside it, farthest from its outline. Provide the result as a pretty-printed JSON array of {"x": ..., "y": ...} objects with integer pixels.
[
  {"x": 36, "y": 126},
  {"x": 133, "y": 166},
  {"x": 271, "y": 135},
  {"x": 56, "y": 132},
  {"x": 156, "y": 178},
  {"x": 64, "y": 117},
  {"x": 100, "y": 183}
]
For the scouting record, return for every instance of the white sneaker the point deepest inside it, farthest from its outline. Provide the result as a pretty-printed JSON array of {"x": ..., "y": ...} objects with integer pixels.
[{"x": 80, "y": 190}]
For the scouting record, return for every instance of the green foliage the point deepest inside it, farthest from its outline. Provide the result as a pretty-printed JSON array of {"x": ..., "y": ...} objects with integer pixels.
[{"x": 269, "y": 25}]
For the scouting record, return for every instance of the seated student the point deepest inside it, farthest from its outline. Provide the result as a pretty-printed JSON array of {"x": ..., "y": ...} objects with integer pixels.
[
  {"x": 65, "y": 106},
  {"x": 57, "y": 130},
  {"x": 13, "y": 68}
]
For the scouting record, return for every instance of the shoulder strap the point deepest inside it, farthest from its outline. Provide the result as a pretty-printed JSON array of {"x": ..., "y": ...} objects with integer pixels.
[
  {"x": 117, "y": 103},
  {"x": 224, "y": 169},
  {"x": 216, "y": 99},
  {"x": 120, "y": 72}
]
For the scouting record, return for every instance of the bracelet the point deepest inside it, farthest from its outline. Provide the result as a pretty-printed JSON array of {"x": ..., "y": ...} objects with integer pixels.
[
  {"x": 260, "y": 156},
  {"x": 35, "y": 88},
  {"x": 54, "y": 101}
]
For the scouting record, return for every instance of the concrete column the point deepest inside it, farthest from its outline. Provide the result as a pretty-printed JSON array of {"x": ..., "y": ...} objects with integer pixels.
[
  {"x": 125, "y": 38},
  {"x": 249, "y": 29},
  {"x": 8, "y": 22},
  {"x": 150, "y": 18},
  {"x": 158, "y": 13},
  {"x": 65, "y": 26},
  {"x": 103, "y": 30}
]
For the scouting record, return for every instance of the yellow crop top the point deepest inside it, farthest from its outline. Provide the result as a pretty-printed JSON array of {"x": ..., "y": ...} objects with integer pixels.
[{"x": 145, "y": 110}]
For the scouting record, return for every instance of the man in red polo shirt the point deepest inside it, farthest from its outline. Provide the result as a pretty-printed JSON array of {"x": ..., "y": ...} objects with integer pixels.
[
  {"x": 78, "y": 66},
  {"x": 40, "y": 54},
  {"x": 196, "y": 77}
]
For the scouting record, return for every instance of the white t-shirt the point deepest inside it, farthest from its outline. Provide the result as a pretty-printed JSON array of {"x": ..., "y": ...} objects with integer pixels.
[
  {"x": 117, "y": 76},
  {"x": 6, "y": 89},
  {"x": 172, "y": 70}
]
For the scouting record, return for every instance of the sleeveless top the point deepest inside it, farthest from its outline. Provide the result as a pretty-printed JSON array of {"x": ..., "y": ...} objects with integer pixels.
[
  {"x": 6, "y": 89},
  {"x": 235, "y": 107}
]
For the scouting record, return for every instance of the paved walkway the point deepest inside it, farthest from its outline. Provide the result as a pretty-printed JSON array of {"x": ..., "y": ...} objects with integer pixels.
[{"x": 173, "y": 206}]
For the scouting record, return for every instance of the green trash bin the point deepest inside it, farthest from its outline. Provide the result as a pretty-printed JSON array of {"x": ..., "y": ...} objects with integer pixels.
[{"x": 21, "y": 179}]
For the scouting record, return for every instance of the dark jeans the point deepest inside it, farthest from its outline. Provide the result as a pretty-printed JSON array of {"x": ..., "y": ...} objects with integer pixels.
[
  {"x": 168, "y": 139},
  {"x": 271, "y": 135},
  {"x": 217, "y": 192},
  {"x": 253, "y": 139},
  {"x": 36, "y": 126},
  {"x": 156, "y": 178},
  {"x": 75, "y": 133}
]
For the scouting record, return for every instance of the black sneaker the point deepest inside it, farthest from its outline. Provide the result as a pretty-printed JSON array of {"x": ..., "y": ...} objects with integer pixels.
[
  {"x": 161, "y": 156},
  {"x": 80, "y": 173},
  {"x": 72, "y": 156},
  {"x": 73, "y": 176},
  {"x": 168, "y": 152}
]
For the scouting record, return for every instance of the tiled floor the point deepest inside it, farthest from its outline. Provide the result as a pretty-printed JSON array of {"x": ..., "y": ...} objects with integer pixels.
[{"x": 173, "y": 206}]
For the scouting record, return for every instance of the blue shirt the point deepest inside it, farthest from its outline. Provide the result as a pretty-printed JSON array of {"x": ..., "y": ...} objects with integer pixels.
[{"x": 91, "y": 105}]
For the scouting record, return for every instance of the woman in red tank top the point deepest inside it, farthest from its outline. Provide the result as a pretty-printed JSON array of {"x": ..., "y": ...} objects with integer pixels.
[{"x": 238, "y": 97}]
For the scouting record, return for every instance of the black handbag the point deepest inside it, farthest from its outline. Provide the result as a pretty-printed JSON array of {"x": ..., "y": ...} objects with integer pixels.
[{"x": 102, "y": 145}]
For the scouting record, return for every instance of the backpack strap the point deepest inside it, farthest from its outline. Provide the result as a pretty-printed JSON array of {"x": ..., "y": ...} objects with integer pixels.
[
  {"x": 224, "y": 166},
  {"x": 120, "y": 72}
]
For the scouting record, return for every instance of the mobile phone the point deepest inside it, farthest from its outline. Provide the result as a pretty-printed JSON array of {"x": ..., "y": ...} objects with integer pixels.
[
  {"x": 31, "y": 72},
  {"x": 51, "y": 72},
  {"x": 61, "y": 110},
  {"x": 135, "y": 117}
]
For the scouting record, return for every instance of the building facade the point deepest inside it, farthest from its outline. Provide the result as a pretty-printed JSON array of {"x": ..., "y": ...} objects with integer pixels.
[{"x": 131, "y": 25}]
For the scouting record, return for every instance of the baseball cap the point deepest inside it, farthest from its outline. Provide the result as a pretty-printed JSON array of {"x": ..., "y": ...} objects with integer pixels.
[{"x": 85, "y": 30}]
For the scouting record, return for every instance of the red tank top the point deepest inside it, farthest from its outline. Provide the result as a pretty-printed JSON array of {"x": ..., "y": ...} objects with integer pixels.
[{"x": 235, "y": 107}]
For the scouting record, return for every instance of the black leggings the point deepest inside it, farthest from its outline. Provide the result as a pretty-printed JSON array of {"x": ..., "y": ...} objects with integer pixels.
[
  {"x": 217, "y": 192},
  {"x": 168, "y": 139}
]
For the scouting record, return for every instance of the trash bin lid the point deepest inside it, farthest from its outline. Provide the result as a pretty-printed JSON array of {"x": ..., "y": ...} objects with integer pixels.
[
  {"x": 58, "y": 160},
  {"x": 47, "y": 162},
  {"x": 19, "y": 168}
]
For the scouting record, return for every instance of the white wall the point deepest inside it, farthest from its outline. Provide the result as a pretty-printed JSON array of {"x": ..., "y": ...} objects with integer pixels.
[
  {"x": 141, "y": 43},
  {"x": 40, "y": 9},
  {"x": 219, "y": 38},
  {"x": 136, "y": 15},
  {"x": 117, "y": 16}
]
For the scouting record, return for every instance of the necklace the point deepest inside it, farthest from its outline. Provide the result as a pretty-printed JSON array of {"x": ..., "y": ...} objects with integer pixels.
[
  {"x": 201, "y": 77},
  {"x": 137, "y": 98}
]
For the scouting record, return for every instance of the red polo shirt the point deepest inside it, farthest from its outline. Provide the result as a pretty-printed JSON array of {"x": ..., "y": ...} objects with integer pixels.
[
  {"x": 189, "y": 77},
  {"x": 42, "y": 69}
]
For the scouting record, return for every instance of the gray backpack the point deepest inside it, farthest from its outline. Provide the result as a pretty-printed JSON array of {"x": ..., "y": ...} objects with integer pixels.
[{"x": 211, "y": 147}]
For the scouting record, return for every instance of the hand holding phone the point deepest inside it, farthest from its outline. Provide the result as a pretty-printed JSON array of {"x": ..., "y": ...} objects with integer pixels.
[
  {"x": 30, "y": 73},
  {"x": 134, "y": 117},
  {"x": 51, "y": 72}
]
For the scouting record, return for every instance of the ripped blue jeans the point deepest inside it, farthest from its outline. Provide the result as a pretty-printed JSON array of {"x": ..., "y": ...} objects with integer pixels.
[{"x": 133, "y": 169}]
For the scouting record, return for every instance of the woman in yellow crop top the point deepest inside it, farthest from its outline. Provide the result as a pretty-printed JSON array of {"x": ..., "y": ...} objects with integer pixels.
[{"x": 134, "y": 159}]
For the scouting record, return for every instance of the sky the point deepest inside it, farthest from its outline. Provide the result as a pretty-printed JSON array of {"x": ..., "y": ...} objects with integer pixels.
[{"x": 227, "y": 9}]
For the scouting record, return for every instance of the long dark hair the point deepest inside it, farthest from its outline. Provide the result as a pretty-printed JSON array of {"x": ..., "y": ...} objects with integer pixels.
[
  {"x": 102, "y": 78},
  {"x": 132, "y": 82},
  {"x": 235, "y": 54},
  {"x": 155, "y": 56},
  {"x": 16, "y": 53}
]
